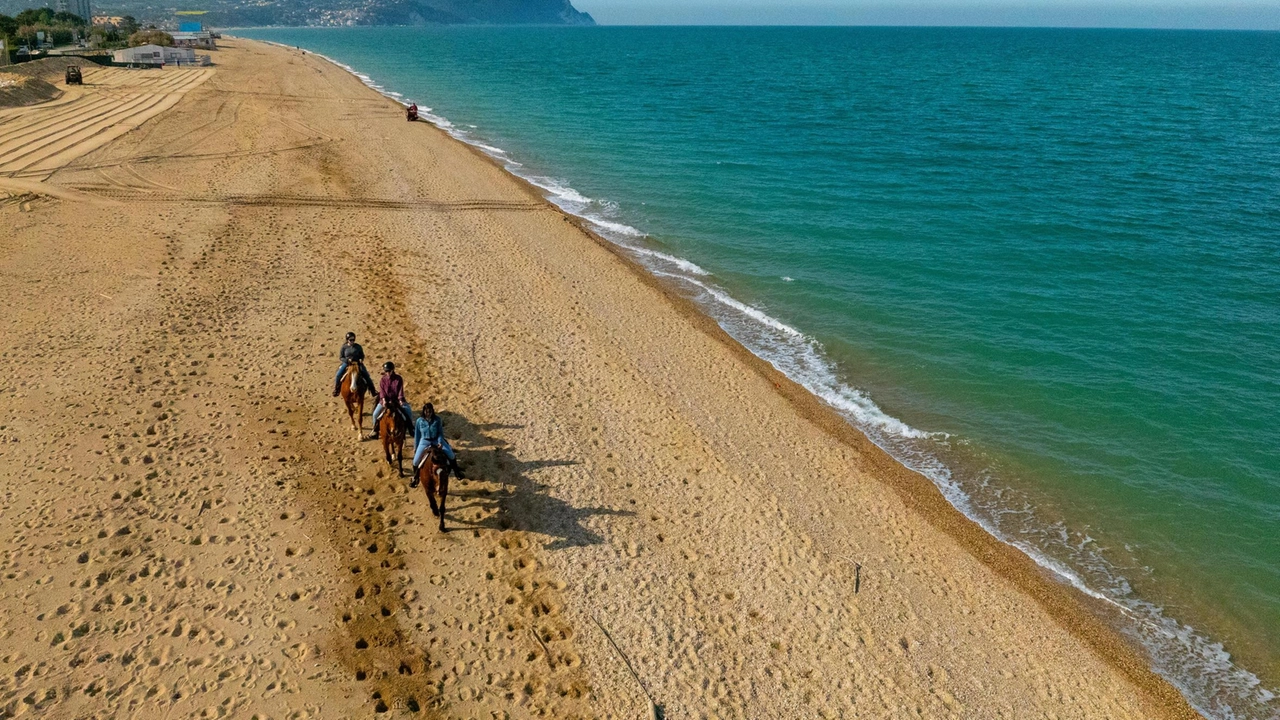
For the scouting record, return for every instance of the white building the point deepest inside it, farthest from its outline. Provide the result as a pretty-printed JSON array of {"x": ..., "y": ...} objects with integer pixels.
[
  {"x": 203, "y": 40},
  {"x": 155, "y": 55}
]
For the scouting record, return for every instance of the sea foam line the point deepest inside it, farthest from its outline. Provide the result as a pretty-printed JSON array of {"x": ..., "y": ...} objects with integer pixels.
[{"x": 1203, "y": 671}]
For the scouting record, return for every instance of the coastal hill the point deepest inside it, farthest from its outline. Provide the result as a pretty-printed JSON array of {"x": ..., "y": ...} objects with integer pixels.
[{"x": 498, "y": 12}]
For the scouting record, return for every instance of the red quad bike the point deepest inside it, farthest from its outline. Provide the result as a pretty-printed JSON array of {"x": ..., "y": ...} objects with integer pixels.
[{"x": 411, "y": 113}]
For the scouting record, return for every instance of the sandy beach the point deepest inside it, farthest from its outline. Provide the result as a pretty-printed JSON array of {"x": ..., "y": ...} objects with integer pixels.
[{"x": 651, "y": 515}]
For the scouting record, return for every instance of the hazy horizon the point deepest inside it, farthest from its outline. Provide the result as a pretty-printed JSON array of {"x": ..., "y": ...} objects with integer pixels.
[{"x": 1255, "y": 15}]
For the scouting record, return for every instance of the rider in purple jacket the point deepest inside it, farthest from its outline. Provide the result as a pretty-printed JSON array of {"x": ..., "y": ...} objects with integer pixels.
[{"x": 391, "y": 394}]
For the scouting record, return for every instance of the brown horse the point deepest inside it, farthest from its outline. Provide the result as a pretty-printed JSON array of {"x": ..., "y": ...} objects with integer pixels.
[
  {"x": 352, "y": 391},
  {"x": 434, "y": 475},
  {"x": 392, "y": 427}
]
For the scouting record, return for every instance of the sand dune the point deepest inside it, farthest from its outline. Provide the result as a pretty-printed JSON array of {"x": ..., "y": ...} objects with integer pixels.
[{"x": 191, "y": 530}]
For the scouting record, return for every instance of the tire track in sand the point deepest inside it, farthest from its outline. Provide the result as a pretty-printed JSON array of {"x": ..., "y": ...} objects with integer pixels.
[{"x": 131, "y": 194}]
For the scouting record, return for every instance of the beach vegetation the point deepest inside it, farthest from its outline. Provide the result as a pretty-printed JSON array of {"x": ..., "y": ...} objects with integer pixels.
[
  {"x": 151, "y": 36},
  {"x": 59, "y": 28},
  {"x": 113, "y": 35}
]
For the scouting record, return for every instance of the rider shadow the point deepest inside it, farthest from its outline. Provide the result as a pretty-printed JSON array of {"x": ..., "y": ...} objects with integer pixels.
[{"x": 523, "y": 503}]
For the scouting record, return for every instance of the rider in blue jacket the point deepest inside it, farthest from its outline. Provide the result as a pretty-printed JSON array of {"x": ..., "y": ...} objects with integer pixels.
[{"x": 428, "y": 432}]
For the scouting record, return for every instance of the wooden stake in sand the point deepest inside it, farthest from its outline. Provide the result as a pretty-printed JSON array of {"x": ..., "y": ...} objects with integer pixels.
[
  {"x": 475, "y": 364},
  {"x": 655, "y": 710},
  {"x": 543, "y": 643}
]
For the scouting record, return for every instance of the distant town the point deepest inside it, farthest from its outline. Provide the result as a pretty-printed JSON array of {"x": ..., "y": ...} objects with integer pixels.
[
  {"x": 37, "y": 33},
  {"x": 245, "y": 13}
]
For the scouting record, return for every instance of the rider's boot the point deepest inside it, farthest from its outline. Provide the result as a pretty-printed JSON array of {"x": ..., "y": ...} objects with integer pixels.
[
  {"x": 457, "y": 470},
  {"x": 335, "y": 388}
]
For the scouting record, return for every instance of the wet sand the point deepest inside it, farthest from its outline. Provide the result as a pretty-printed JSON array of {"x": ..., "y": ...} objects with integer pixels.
[{"x": 193, "y": 530}]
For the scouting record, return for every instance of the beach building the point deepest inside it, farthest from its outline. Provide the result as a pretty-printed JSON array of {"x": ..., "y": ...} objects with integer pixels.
[
  {"x": 155, "y": 55},
  {"x": 202, "y": 39}
]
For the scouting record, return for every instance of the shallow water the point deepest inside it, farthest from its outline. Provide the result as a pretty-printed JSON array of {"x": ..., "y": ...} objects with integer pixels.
[{"x": 1042, "y": 266}]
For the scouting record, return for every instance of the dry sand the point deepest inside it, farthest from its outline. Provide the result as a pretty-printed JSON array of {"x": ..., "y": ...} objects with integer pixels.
[{"x": 190, "y": 528}]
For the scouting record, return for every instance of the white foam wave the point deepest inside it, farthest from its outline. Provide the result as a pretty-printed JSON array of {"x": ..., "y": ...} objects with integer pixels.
[
  {"x": 560, "y": 191},
  {"x": 618, "y": 228},
  {"x": 681, "y": 263},
  {"x": 495, "y": 151},
  {"x": 753, "y": 313}
]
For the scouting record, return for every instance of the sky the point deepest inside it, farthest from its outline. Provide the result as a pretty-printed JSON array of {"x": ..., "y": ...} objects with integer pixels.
[{"x": 1239, "y": 14}]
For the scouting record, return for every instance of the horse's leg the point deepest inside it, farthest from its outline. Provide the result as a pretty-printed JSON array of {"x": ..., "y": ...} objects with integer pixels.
[
  {"x": 360, "y": 415},
  {"x": 400, "y": 456},
  {"x": 444, "y": 494},
  {"x": 430, "y": 487}
]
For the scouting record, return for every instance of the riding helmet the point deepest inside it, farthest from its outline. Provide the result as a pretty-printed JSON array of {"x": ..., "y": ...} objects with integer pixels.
[
  {"x": 351, "y": 336},
  {"x": 388, "y": 366}
]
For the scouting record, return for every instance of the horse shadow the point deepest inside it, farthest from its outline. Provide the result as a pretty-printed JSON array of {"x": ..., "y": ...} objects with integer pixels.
[
  {"x": 521, "y": 502},
  {"x": 486, "y": 427}
]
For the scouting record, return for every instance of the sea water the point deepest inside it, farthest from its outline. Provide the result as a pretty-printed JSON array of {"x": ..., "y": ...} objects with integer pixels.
[{"x": 1040, "y": 266}]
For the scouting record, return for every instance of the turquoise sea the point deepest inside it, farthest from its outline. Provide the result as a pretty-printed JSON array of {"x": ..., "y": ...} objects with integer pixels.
[{"x": 1040, "y": 266}]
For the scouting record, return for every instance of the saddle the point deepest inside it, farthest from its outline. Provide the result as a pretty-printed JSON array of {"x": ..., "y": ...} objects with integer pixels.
[{"x": 398, "y": 410}]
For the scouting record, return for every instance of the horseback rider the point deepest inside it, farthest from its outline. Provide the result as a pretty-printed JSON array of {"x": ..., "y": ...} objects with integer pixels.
[
  {"x": 391, "y": 394},
  {"x": 428, "y": 432},
  {"x": 351, "y": 352}
]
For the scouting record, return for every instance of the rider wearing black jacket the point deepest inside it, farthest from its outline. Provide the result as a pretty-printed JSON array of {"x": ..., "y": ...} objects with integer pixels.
[{"x": 351, "y": 352}]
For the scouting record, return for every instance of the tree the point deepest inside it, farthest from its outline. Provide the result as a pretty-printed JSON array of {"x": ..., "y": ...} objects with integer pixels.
[
  {"x": 27, "y": 34},
  {"x": 151, "y": 37},
  {"x": 128, "y": 25},
  {"x": 35, "y": 16},
  {"x": 66, "y": 18}
]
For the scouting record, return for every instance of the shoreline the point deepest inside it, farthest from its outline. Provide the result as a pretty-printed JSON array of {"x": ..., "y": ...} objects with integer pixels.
[
  {"x": 599, "y": 487},
  {"x": 1091, "y": 616}
]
